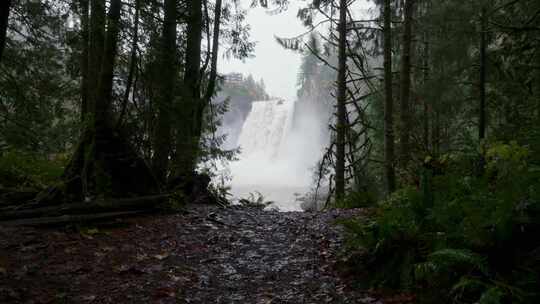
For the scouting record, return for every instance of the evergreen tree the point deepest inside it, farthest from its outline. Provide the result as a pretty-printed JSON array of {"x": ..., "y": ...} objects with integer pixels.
[
  {"x": 5, "y": 7},
  {"x": 405, "y": 83},
  {"x": 341, "y": 100},
  {"x": 166, "y": 92},
  {"x": 388, "y": 100}
]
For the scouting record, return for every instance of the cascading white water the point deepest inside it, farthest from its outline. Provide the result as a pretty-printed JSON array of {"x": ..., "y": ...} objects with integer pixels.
[
  {"x": 265, "y": 129},
  {"x": 276, "y": 159}
]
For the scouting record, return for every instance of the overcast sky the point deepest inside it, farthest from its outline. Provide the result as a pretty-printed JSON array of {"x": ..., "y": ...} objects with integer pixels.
[{"x": 276, "y": 65}]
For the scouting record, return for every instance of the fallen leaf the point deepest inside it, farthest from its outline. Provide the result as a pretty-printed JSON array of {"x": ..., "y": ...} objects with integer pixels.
[
  {"x": 161, "y": 256},
  {"x": 165, "y": 292},
  {"x": 89, "y": 298}
]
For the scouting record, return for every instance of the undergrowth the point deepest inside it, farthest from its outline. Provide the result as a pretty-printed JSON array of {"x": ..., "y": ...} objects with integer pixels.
[
  {"x": 463, "y": 236},
  {"x": 255, "y": 200},
  {"x": 20, "y": 169},
  {"x": 355, "y": 199}
]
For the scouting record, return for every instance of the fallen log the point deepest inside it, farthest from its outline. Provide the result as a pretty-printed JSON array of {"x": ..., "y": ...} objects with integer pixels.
[
  {"x": 65, "y": 219},
  {"x": 109, "y": 205},
  {"x": 12, "y": 196}
]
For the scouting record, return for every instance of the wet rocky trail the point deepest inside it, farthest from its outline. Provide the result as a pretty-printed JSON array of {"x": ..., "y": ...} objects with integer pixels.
[{"x": 206, "y": 255}]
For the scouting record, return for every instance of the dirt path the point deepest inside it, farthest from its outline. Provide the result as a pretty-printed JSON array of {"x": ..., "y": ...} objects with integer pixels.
[{"x": 210, "y": 255}]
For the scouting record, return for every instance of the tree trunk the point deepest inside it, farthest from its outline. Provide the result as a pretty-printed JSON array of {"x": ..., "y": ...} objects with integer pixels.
[
  {"x": 388, "y": 103},
  {"x": 341, "y": 101},
  {"x": 85, "y": 39},
  {"x": 405, "y": 85},
  {"x": 105, "y": 87},
  {"x": 166, "y": 93},
  {"x": 97, "y": 40},
  {"x": 5, "y": 6},
  {"x": 436, "y": 131},
  {"x": 425, "y": 101},
  {"x": 187, "y": 139},
  {"x": 132, "y": 65},
  {"x": 482, "y": 108},
  {"x": 65, "y": 219},
  {"x": 109, "y": 205},
  {"x": 104, "y": 163},
  {"x": 215, "y": 53}
]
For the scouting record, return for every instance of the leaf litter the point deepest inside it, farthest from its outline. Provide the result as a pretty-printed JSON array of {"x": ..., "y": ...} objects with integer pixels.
[{"x": 207, "y": 255}]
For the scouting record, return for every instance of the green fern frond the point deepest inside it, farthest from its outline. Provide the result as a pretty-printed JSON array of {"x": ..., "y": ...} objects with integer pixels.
[
  {"x": 424, "y": 271},
  {"x": 450, "y": 257},
  {"x": 255, "y": 199},
  {"x": 467, "y": 283},
  {"x": 513, "y": 291},
  {"x": 353, "y": 226},
  {"x": 491, "y": 296},
  {"x": 293, "y": 44}
]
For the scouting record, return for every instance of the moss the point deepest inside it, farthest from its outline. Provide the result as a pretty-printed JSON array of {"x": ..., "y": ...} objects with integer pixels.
[{"x": 20, "y": 169}]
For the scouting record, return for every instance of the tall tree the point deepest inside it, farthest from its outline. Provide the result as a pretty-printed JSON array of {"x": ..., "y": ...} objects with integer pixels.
[
  {"x": 187, "y": 141},
  {"x": 390, "y": 175},
  {"x": 85, "y": 60},
  {"x": 166, "y": 92},
  {"x": 425, "y": 78},
  {"x": 95, "y": 55},
  {"x": 104, "y": 163},
  {"x": 405, "y": 84},
  {"x": 102, "y": 104},
  {"x": 341, "y": 101},
  {"x": 215, "y": 51},
  {"x": 132, "y": 64},
  {"x": 482, "y": 84},
  {"x": 5, "y": 6}
]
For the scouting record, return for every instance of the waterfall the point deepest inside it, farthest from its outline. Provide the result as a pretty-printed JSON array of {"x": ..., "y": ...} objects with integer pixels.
[
  {"x": 277, "y": 153},
  {"x": 265, "y": 130}
]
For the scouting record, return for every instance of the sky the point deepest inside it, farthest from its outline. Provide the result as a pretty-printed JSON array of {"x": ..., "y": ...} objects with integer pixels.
[{"x": 276, "y": 65}]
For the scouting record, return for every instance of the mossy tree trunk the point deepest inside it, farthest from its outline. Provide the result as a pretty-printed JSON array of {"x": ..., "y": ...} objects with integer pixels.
[
  {"x": 96, "y": 47},
  {"x": 85, "y": 44},
  {"x": 390, "y": 175},
  {"x": 341, "y": 101},
  {"x": 215, "y": 51},
  {"x": 5, "y": 6},
  {"x": 187, "y": 139},
  {"x": 166, "y": 93},
  {"x": 195, "y": 99},
  {"x": 132, "y": 65},
  {"x": 104, "y": 163},
  {"x": 425, "y": 79},
  {"x": 482, "y": 84},
  {"x": 405, "y": 86}
]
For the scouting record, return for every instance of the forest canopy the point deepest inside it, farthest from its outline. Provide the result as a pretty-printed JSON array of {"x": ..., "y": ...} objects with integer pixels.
[
  {"x": 436, "y": 107},
  {"x": 113, "y": 106}
]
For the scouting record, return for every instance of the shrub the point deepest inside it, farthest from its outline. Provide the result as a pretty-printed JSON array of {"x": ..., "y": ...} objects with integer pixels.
[
  {"x": 356, "y": 199},
  {"x": 26, "y": 170},
  {"x": 255, "y": 200},
  {"x": 392, "y": 239},
  {"x": 473, "y": 241}
]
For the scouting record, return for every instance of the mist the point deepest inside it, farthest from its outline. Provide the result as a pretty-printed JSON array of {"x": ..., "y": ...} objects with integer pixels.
[{"x": 280, "y": 143}]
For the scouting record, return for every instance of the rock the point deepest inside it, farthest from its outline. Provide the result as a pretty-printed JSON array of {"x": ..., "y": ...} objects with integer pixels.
[{"x": 208, "y": 255}]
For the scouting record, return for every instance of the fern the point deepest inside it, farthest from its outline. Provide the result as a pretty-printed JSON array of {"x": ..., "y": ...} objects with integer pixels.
[
  {"x": 426, "y": 270},
  {"x": 448, "y": 258},
  {"x": 475, "y": 242},
  {"x": 255, "y": 199},
  {"x": 491, "y": 296},
  {"x": 467, "y": 284}
]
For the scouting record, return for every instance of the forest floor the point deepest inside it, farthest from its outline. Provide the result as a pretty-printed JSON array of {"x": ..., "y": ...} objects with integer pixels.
[{"x": 206, "y": 255}]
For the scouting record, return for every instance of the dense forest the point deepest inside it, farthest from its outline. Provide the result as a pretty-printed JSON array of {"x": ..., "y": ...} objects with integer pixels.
[
  {"x": 118, "y": 93},
  {"x": 236, "y": 96},
  {"x": 112, "y": 108},
  {"x": 436, "y": 107}
]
